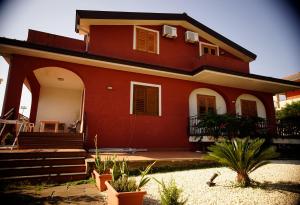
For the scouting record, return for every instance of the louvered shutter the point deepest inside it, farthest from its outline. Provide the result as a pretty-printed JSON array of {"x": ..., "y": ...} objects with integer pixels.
[
  {"x": 152, "y": 100},
  {"x": 151, "y": 42},
  {"x": 139, "y": 99},
  {"x": 141, "y": 39},
  {"x": 211, "y": 104},
  {"x": 248, "y": 108},
  {"x": 146, "y": 40}
]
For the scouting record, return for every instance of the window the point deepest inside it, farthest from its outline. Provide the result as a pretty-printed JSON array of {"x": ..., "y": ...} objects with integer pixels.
[
  {"x": 207, "y": 48},
  {"x": 206, "y": 104},
  {"x": 146, "y": 40},
  {"x": 249, "y": 108},
  {"x": 145, "y": 99}
]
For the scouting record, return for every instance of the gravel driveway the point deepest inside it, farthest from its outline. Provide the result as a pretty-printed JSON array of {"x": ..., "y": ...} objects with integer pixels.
[{"x": 279, "y": 184}]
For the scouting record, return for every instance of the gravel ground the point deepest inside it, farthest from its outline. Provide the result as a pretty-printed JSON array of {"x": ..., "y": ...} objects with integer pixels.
[{"x": 279, "y": 184}]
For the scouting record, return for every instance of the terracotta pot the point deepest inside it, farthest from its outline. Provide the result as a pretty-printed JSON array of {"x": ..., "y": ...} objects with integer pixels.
[
  {"x": 124, "y": 198},
  {"x": 100, "y": 180}
]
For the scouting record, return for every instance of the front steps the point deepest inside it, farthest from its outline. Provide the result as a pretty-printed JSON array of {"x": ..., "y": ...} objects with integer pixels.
[
  {"x": 49, "y": 140},
  {"x": 39, "y": 165}
]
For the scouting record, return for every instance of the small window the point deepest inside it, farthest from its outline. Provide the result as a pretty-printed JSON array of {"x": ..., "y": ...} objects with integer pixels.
[
  {"x": 145, "y": 99},
  {"x": 249, "y": 108},
  {"x": 146, "y": 40},
  {"x": 206, "y": 104},
  {"x": 210, "y": 49}
]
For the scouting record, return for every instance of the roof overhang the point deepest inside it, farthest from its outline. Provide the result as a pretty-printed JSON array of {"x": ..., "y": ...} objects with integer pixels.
[
  {"x": 204, "y": 74},
  {"x": 85, "y": 18}
]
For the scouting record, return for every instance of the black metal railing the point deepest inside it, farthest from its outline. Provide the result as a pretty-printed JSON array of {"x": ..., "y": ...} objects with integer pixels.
[
  {"x": 239, "y": 126},
  {"x": 288, "y": 128}
]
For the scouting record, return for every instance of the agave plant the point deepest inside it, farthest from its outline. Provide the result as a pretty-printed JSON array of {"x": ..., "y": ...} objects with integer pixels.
[
  {"x": 242, "y": 156},
  {"x": 121, "y": 181}
]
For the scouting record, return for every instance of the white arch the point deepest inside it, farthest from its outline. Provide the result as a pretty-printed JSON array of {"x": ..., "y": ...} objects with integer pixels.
[
  {"x": 61, "y": 96},
  {"x": 220, "y": 102},
  {"x": 261, "y": 110}
]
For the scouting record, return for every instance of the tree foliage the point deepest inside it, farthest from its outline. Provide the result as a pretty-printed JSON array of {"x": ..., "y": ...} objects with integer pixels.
[{"x": 290, "y": 112}]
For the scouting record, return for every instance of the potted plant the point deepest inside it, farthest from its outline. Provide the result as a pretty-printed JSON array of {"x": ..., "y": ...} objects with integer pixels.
[
  {"x": 101, "y": 172},
  {"x": 123, "y": 190}
]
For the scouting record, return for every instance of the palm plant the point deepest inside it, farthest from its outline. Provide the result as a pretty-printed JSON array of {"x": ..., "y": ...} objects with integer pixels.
[{"x": 242, "y": 156}]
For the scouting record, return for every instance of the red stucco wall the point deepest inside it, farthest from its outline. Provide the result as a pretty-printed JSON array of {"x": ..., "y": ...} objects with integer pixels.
[
  {"x": 108, "y": 110},
  {"x": 117, "y": 41}
]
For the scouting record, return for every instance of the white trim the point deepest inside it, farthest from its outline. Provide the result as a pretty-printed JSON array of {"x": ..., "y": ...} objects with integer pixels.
[
  {"x": 208, "y": 44},
  {"x": 9, "y": 49},
  {"x": 132, "y": 83},
  {"x": 148, "y": 29}
]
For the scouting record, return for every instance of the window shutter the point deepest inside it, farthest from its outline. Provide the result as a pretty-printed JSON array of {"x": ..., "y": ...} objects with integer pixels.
[
  {"x": 146, "y": 40},
  {"x": 139, "y": 99},
  {"x": 206, "y": 103},
  {"x": 152, "y": 100},
  {"x": 141, "y": 39},
  {"x": 248, "y": 108},
  {"x": 211, "y": 104}
]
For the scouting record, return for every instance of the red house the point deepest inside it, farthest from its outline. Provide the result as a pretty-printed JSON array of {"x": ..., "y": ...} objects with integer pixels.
[{"x": 135, "y": 79}]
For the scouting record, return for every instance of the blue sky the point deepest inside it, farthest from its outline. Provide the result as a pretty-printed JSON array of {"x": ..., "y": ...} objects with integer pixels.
[{"x": 268, "y": 28}]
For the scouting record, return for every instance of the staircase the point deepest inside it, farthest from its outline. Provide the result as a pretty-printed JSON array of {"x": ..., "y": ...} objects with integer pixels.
[
  {"x": 49, "y": 140},
  {"x": 36, "y": 165}
]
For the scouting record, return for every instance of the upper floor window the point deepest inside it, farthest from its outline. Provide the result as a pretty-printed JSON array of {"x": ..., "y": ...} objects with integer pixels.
[
  {"x": 207, "y": 48},
  {"x": 145, "y": 99},
  {"x": 249, "y": 108},
  {"x": 146, "y": 40},
  {"x": 206, "y": 104}
]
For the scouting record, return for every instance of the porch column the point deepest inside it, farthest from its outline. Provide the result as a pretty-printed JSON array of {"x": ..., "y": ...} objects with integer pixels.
[
  {"x": 35, "y": 94},
  {"x": 13, "y": 92}
]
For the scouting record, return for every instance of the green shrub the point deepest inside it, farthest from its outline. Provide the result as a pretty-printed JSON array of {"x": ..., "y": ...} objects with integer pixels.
[
  {"x": 242, "y": 156},
  {"x": 170, "y": 194},
  {"x": 8, "y": 139}
]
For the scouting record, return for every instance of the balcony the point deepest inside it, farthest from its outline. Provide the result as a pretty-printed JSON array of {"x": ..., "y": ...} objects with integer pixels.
[{"x": 229, "y": 63}]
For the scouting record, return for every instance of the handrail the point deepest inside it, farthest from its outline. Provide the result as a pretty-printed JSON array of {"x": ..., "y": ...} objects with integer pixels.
[
  {"x": 85, "y": 129},
  {"x": 12, "y": 122}
]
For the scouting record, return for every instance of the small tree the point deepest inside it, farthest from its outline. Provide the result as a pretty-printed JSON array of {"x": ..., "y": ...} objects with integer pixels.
[
  {"x": 291, "y": 111},
  {"x": 242, "y": 156}
]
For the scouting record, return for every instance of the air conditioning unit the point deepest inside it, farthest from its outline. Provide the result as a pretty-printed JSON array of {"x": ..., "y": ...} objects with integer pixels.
[
  {"x": 169, "y": 31},
  {"x": 191, "y": 37}
]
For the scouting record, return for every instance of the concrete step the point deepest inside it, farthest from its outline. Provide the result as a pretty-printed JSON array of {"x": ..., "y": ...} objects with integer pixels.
[
  {"x": 42, "y": 153},
  {"x": 45, "y": 146},
  {"x": 7, "y": 163},
  {"x": 41, "y": 170},
  {"x": 51, "y": 178}
]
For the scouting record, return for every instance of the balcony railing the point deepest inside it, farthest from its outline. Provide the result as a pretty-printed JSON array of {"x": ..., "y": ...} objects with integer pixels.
[{"x": 238, "y": 126}]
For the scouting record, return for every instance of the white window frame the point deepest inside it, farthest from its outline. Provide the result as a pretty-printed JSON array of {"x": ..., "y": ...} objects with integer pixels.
[
  {"x": 208, "y": 44},
  {"x": 140, "y": 27},
  {"x": 132, "y": 83}
]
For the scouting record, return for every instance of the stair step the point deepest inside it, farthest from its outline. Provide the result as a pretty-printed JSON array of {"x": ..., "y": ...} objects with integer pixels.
[
  {"x": 42, "y": 153},
  {"x": 41, "y": 162},
  {"x": 51, "y": 146},
  {"x": 41, "y": 170},
  {"x": 57, "y": 178}
]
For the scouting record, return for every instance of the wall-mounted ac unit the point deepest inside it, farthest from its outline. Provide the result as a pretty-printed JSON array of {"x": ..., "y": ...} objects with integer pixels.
[
  {"x": 191, "y": 37},
  {"x": 169, "y": 31}
]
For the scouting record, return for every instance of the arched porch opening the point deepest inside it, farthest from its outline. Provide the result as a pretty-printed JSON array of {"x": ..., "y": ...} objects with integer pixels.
[
  {"x": 215, "y": 100},
  {"x": 61, "y": 100},
  {"x": 247, "y": 104}
]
